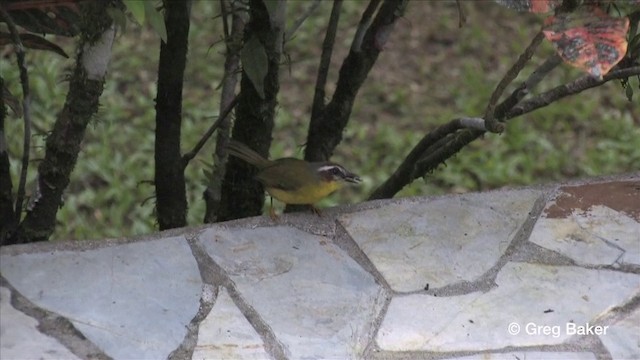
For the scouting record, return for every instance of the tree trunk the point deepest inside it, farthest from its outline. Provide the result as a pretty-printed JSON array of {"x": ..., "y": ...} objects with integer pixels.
[
  {"x": 171, "y": 196},
  {"x": 7, "y": 216},
  {"x": 63, "y": 143},
  {"x": 242, "y": 195},
  {"x": 213, "y": 194}
]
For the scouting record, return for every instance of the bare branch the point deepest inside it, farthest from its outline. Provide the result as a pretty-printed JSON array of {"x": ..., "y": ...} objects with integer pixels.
[
  {"x": 233, "y": 39},
  {"x": 365, "y": 22},
  {"x": 473, "y": 123},
  {"x": 203, "y": 140},
  {"x": 26, "y": 101},
  {"x": 572, "y": 88},
  {"x": 224, "y": 12},
  {"x": 450, "y": 138},
  {"x": 325, "y": 130},
  {"x": 462, "y": 18},
  {"x": 300, "y": 20},
  {"x": 528, "y": 85},
  {"x": 325, "y": 59},
  {"x": 492, "y": 124},
  {"x": 404, "y": 174}
]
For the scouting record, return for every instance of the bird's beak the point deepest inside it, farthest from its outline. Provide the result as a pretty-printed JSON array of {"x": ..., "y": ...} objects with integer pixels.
[{"x": 352, "y": 178}]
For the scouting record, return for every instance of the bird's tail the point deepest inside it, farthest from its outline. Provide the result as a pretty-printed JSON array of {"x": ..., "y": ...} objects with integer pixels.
[{"x": 243, "y": 152}]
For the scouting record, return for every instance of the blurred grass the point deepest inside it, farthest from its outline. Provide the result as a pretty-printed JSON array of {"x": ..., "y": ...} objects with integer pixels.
[{"x": 430, "y": 72}]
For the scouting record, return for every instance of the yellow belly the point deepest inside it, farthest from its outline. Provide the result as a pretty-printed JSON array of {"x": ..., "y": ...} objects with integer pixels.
[{"x": 306, "y": 194}]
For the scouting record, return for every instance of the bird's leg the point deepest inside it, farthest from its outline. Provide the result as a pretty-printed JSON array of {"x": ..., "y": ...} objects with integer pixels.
[
  {"x": 272, "y": 213},
  {"x": 315, "y": 210}
]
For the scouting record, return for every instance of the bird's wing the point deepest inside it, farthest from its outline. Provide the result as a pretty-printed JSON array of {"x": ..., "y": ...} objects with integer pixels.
[{"x": 289, "y": 177}]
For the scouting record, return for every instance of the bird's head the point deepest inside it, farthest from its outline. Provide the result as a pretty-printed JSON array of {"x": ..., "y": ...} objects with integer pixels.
[{"x": 332, "y": 172}]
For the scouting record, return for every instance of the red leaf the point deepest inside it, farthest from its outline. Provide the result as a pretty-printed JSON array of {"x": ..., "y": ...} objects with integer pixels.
[
  {"x": 588, "y": 39},
  {"x": 59, "y": 17},
  {"x": 32, "y": 41}
]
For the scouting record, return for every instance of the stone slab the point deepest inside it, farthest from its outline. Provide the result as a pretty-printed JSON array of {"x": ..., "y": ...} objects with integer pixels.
[
  {"x": 20, "y": 337},
  {"x": 318, "y": 302},
  {"x": 226, "y": 334},
  {"x": 439, "y": 242},
  {"x": 623, "y": 341},
  {"x": 132, "y": 300},
  {"x": 532, "y": 305},
  {"x": 531, "y": 355},
  {"x": 594, "y": 224}
]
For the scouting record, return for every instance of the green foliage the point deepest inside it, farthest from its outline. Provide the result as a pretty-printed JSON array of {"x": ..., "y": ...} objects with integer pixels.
[
  {"x": 429, "y": 73},
  {"x": 144, "y": 12},
  {"x": 255, "y": 63}
]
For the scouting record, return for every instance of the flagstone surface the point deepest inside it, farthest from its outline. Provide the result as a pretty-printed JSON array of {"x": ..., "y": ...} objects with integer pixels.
[{"x": 551, "y": 272}]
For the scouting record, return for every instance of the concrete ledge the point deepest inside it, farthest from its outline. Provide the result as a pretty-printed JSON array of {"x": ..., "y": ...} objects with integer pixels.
[{"x": 547, "y": 272}]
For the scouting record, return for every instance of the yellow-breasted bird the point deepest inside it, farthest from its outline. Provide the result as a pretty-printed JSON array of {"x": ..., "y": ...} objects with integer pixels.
[{"x": 294, "y": 181}]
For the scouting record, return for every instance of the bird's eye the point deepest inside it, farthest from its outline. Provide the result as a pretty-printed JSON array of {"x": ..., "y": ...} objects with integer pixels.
[{"x": 335, "y": 171}]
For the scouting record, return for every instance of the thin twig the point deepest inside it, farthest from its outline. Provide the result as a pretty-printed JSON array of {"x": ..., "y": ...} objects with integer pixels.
[
  {"x": 213, "y": 193},
  {"x": 26, "y": 100},
  {"x": 363, "y": 26},
  {"x": 223, "y": 115},
  {"x": 528, "y": 85},
  {"x": 224, "y": 12},
  {"x": 300, "y": 20},
  {"x": 492, "y": 124},
  {"x": 325, "y": 60},
  {"x": 462, "y": 19}
]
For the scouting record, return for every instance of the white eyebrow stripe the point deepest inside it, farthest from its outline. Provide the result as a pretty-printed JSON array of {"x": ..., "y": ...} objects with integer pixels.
[{"x": 329, "y": 167}]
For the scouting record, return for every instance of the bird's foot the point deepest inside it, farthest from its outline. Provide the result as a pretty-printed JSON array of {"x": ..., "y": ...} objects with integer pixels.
[{"x": 315, "y": 210}]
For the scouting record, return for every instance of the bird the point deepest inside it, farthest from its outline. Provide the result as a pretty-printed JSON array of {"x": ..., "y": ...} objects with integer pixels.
[{"x": 294, "y": 181}]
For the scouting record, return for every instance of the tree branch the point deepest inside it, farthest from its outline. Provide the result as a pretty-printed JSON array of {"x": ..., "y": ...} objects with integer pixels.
[
  {"x": 363, "y": 26},
  {"x": 493, "y": 124},
  {"x": 63, "y": 143},
  {"x": 241, "y": 194},
  {"x": 462, "y": 18},
  {"x": 7, "y": 214},
  {"x": 579, "y": 85},
  {"x": 233, "y": 39},
  {"x": 325, "y": 131},
  {"x": 528, "y": 85},
  {"x": 448, "y": 139},
  {"x": 405, "y": 174},
  {"x": 301, "y": 19},
  {"x": 325, "y": 59},
  {"x": 224, "y": 114},
  {"x": 26, "y": 101},
  {"x": 170, "y": 184}
]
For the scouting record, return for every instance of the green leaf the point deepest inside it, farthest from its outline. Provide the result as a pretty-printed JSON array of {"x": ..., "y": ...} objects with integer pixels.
[
  {"x": 255, "y": 63},
  {"x": 118, "y": 17},
  {"x": 629, "y": 91},
  {"x": 155, "y": 19},
  {"x": 137, "y": 9}
]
